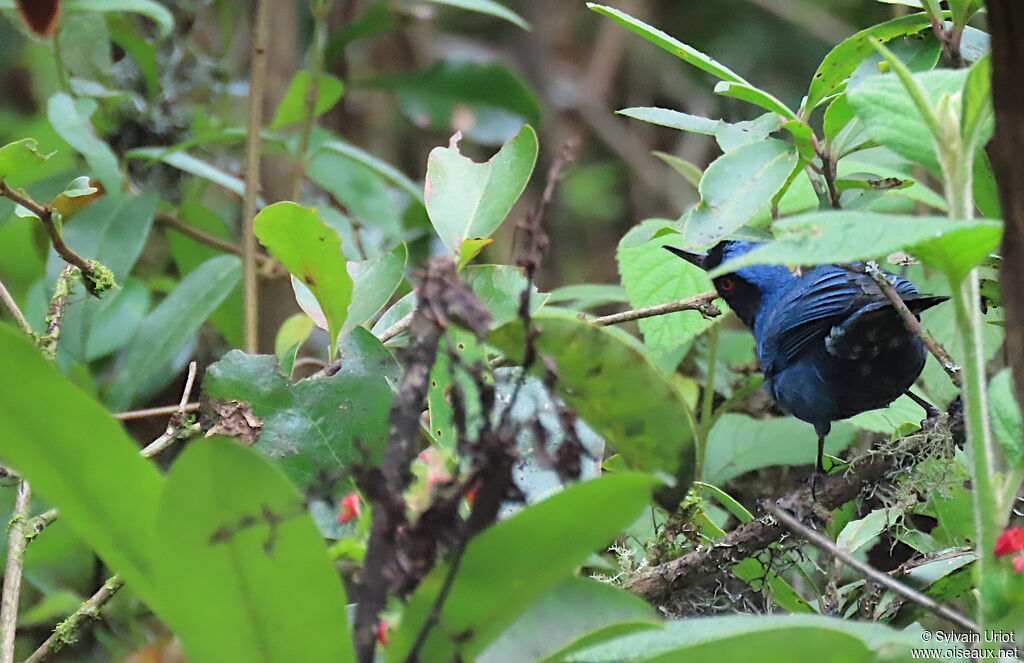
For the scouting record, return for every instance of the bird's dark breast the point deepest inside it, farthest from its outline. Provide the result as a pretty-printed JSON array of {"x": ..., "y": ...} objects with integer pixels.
[{"x": 822, "y": 385}]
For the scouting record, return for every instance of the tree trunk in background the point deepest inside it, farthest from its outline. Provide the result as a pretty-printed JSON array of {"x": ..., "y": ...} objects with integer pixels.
[{"x": 1006, "y": 23}]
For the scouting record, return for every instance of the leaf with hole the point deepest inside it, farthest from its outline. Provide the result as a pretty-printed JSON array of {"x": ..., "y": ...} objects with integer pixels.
[{"x": 468, "y": 200}]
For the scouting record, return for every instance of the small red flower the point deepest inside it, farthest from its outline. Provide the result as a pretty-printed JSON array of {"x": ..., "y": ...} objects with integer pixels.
[
  {"x": 1018, "y": 563},
  {"x": 382, "y": 632},
  {"x": 1010, "y": 541},
  {"x": 350, "y": 508}
]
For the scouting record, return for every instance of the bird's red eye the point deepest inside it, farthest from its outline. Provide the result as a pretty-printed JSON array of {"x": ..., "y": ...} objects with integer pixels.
[{"x": 726, "y": 284}]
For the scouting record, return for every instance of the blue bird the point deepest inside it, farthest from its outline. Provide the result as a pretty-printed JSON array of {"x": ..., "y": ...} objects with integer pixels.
[{"x": 829, "y": 341}]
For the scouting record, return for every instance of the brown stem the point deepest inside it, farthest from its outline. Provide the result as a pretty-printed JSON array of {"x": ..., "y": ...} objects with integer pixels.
[
  {"x": 701, "y": 302},
  {"x": 177, "y": 418},
  {"x": 257, "y": 83},
  {"x": 12, "y": 306},
  {"x": 210, "y": 240},
  {"x": 69, "y": 630},
  {"x": 16, "y": 544},
  {"x": 825, "y": 544},
  {"x": 91, "y": 276},
  {"x": 154, "y": 411}
]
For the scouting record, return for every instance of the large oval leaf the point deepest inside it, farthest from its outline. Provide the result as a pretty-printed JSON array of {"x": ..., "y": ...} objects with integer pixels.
[
  {"x": 169, "y": 326},
  {"x": 310, "y": 250},
  {"x": 606, "y": 377},
  {"x": 509, "y": 565},
  {"x": 468, "y": 200},
  {"x": 243, "y": 566}
]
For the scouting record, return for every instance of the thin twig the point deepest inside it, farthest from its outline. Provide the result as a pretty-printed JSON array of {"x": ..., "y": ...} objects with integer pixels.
[
  {"x": 257, "y": 83},
  {"x": 397, "y": 328},
  {"x": 12, "y": 306},
  {"x": 69, "y": 630},
  {"x": 154, "y": 412},
  {"x": 701, "y": 302},
  {"x": 210, "y": 240},
  {"x": 96, "y": 282},
  {"x": 37, "y": 524},
  {"x": 434, "y": 616},
  {"x": 316, "y": 63},
  {"x": 177, "y": 418},
  {"x": 911, "y": 322},
  {"x": 825, "y": 544},
  {"x": 55, "y": 316},
  {"x": 16, "y": 544}
]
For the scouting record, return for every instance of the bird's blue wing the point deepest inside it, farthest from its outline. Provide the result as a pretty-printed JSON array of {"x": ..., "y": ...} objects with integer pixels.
[{"x": 807, "y": 310}]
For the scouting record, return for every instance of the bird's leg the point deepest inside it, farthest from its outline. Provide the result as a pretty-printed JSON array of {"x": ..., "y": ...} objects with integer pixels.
[
  {"x": 819, "y": 468},
  {"x": 929, "y": 409}
]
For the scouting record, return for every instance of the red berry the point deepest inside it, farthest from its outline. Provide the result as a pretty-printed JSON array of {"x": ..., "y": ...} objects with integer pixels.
[
  {"x": 382, "y": 632},
  {"x": 1010, "y": 541},
  {"x": 350, "y": 508}
]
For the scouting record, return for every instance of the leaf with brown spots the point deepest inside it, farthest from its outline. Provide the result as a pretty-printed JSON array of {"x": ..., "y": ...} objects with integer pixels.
[{"x": 310, "y": 250}]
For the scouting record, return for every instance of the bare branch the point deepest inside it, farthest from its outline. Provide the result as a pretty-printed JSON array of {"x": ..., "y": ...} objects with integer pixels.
[
  {"x": 701, "y": 302},
  {"x": 12, "y": 306},
  {"x": 177, "y": 420},
  {"x": 154, "y": 412},
  {"x": 265, "y": 261},
  {"x": 69, "y": 630},
  {"x": 16, "y": 544},
  {"x": 825, "y": 544}
]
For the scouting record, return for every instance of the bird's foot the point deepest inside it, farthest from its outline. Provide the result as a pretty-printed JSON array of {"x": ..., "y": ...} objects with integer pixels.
[{"x": 816, "y": 480}]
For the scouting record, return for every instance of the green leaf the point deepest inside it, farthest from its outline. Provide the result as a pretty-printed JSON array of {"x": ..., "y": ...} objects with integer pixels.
[
  {"x": 70, "y": 119},
  {"x": 80, "y": 460},
  {"x": 487, "y": 7},
  {"x": 499, "y": 288},
  {"x": 19, "y": 156},
  {"x": 467, "y": 200},
  {"x": 293, "y": 105},
  {"x": 652, "y": 275},
  {"x": 290, "y": 336},
  {"x": 1006, "y": 417},
  {"x": 189, "y": 253},
  {"x": 588, "y": 295},
  {"x": 574, "y": 614},
  {"x": 607, "y": 378},
  {"x": 513, "y": 562},
  {"x": 667, "y": 117},
  {"x": 976, "y": 117},
  {"x": 749, "y": 93},
  {"x": 897, "y": 416},
  {"x": 321, "y": 425},
  {"x": 243, "y": 566},
  {"x": 373, "y": 283},
  {"x": 471, "y": 248},
  {"x": 735, "y": 186},
  {"x": 892, "y": 118},
  {"x": 670, "y": 44},
  {"x": 862, "y": 531},
  {"x": 817, "y": 238},
  {"x": 310, "y": 250},
  {"x": 375, "y": 165},
  {"x": 125, "y": 34},
  {"x": 843, "y": 59},
  {"x": 688, "y": 170},
  {"x": 764, "y": 638},
  {"x": 190, "y": 164},
  {"x": 166, "y": 329},
  {"x": 488, "y": 103},
  {"x": 148, "y": 8},
  {"x": 738, "y": 443},
  {"x": 112, "y": 230}
]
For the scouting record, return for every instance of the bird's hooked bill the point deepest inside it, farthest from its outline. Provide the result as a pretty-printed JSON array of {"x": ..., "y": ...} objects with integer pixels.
[{"x": 698, "y": 258}]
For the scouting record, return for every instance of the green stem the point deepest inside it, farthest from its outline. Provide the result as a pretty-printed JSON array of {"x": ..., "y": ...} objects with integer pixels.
[
  {"x": 987, "y": 501},
  {"x": 707, "y": 401},
  {"x": 316, "y": 62}
]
